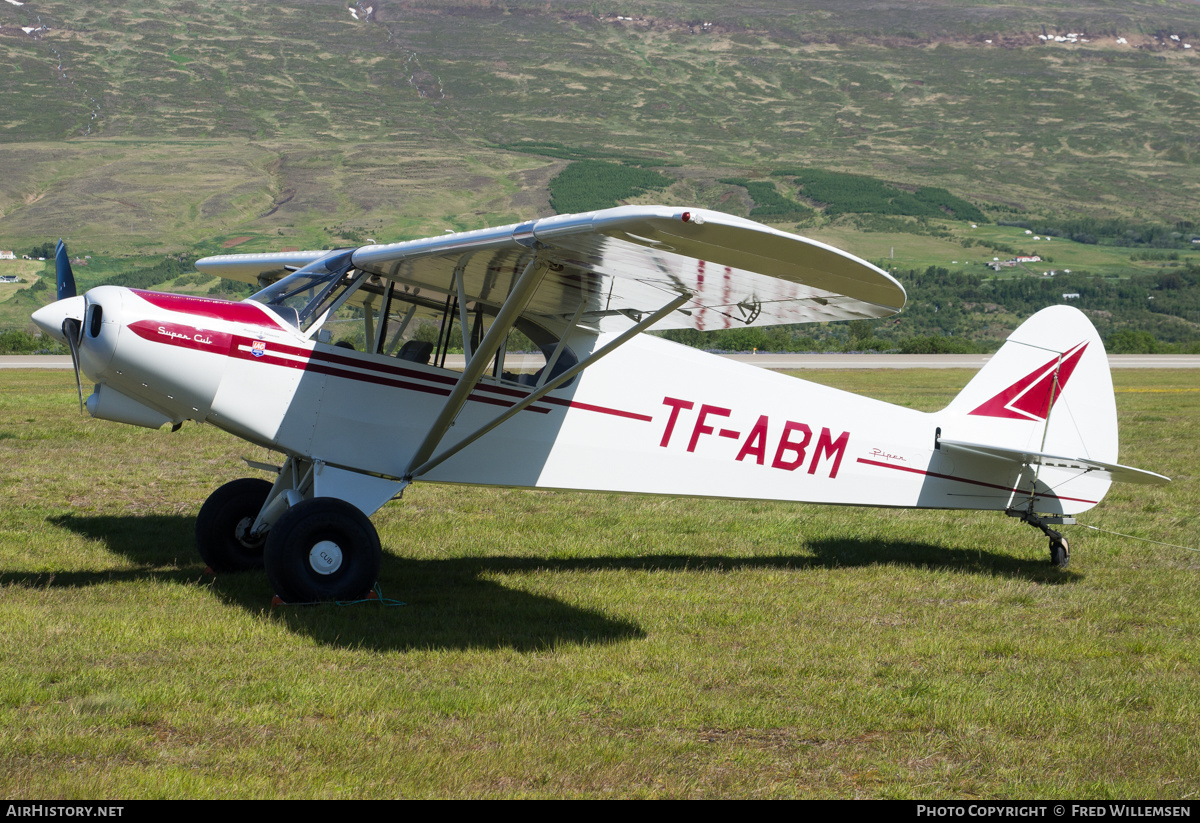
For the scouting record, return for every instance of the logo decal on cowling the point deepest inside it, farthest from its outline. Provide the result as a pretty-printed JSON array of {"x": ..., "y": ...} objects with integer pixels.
[
  {"x": 258, "y": 347},
  {"x": 1032, "y": 397}
]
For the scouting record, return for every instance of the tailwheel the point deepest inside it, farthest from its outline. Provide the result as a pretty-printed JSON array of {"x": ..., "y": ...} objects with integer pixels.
[
  {"x": 1060, "y": 551},
  {"x": 223, "y": 526},
  {"x": 322, "y": 549}
]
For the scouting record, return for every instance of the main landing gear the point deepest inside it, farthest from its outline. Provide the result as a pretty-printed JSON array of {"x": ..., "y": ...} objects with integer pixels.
[
  {"x": 223, "y": 526},
  {"x": 1060, "y": 550},
  {"x": 322, "y": 549},
  {"x": 318, "y": 549}
]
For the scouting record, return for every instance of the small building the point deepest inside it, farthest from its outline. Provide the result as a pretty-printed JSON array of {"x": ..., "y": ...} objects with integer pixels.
[
  {"x": 7, "y": 255},
  {"x": 1074, "y": 295}
]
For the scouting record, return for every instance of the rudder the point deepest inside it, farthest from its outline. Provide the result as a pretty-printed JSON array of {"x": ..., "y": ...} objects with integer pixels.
[{"x": 1048, "y": 389}]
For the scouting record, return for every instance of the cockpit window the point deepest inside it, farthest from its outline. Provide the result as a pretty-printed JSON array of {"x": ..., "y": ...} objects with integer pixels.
[
  {"x": 377, "y": 316},
  {"x": 304, "y": 296},
  {"x": 522, "y": 358}
]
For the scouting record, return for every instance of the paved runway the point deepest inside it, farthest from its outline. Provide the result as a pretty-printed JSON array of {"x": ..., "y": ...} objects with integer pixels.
[
  {"x": 942, "y": 361},
  {"x": 794, "y": 361},
  {"x": 34, "y": 361}
]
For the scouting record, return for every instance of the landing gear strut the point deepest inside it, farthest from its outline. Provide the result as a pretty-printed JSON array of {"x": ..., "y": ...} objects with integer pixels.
[{"x": 1060, "y": 550}]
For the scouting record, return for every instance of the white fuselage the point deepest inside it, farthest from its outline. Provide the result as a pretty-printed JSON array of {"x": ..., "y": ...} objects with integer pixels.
[{"x": 652, "y": 417}]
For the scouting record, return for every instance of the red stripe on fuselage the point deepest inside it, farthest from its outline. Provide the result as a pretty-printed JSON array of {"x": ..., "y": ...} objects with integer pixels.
[
  {"x": 319, "y": 362},
  {"x": 327, "y": 363},
  {"x": 177, "y": 334},
  {"x": 924, "y": 473},
  {"x": 575, "y": 404}
]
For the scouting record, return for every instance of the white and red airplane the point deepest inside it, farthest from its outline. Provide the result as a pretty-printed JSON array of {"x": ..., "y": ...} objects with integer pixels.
[{"x": 342, "y": 364}]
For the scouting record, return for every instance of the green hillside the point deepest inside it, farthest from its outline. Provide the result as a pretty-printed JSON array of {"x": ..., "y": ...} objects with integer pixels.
[{"x": 144, "y": 130}]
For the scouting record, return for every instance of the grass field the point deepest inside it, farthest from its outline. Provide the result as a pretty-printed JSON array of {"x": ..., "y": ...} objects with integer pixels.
[{"x": 573, "y": 645}]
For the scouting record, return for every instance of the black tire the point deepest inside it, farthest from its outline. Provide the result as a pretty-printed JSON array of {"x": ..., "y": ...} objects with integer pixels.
[
  {"x": 1060, "y": 552},
  {"x": 322, "y": 549},
  {"x": 223, "y": 521}
]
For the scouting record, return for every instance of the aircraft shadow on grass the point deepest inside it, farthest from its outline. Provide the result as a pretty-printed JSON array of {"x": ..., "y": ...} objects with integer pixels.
[{"x": 453, "y": 604}]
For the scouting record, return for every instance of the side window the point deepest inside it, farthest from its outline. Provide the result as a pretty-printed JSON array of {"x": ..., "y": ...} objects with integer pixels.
[
  {"x": 454, "y": 345},
  {"x": 381, "y": 318},
  {"x": 523, "y": 359},
  {"x": 421, "y": 328},
  {"x": 529, "y": 362},
  {"x": 345, "y": 327},
  {"x": 390, "y": 319},
  {"x": 408, "y": 327}
]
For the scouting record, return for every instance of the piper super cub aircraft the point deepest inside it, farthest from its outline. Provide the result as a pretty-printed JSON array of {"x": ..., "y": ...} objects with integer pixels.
[{"x": 340, "y": 363}]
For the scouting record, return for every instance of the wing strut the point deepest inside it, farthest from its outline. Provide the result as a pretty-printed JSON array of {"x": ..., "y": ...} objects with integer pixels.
[
  {"x": 462, "y": 309},
  {"x": 566, "y": 376},
  {"x": 514, "y": 304},
  {"x": 562, "y": 344}
]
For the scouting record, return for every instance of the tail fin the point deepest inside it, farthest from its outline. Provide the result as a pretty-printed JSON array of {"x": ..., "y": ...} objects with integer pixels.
[
  {"x": 1046, "y": 392},
  {"x": 1048, "y": 389}
]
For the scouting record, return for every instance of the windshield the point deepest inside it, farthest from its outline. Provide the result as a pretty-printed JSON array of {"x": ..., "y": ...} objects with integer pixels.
[{"x": 304, "y": 296}]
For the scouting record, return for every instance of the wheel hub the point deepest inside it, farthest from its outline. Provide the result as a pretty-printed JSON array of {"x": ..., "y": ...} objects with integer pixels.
[
  {"x": 241, "y": 533},
  {"x": 325, "y": 557}
]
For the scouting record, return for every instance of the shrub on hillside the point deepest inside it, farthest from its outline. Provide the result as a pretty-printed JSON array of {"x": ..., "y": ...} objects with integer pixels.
[{"x": 589, "y": 185}]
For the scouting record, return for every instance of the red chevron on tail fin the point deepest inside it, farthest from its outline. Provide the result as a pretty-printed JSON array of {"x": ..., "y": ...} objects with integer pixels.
[{"x": 1032, "y": 397}]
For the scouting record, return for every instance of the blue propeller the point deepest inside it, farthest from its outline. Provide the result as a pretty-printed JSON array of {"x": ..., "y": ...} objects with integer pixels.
[
  {"x": 62, "y": 268},
  {"x": 71, "y": 328}
]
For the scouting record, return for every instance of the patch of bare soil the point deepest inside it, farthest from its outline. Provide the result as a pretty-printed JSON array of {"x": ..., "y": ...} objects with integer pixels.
[
  {"x": 535, "y": 188},
  {"x": 284, "y": 196}
]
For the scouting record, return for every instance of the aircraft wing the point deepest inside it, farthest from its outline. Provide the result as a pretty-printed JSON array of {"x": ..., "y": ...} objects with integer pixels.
[
  {"x": 1117, "y": 472},
  {"x": 260, "y": 269},
  {"x": 615, "y": 265}
]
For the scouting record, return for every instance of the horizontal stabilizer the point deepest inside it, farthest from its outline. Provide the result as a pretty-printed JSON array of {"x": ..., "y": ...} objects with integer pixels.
[{"x": 1115, "y": 471}]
